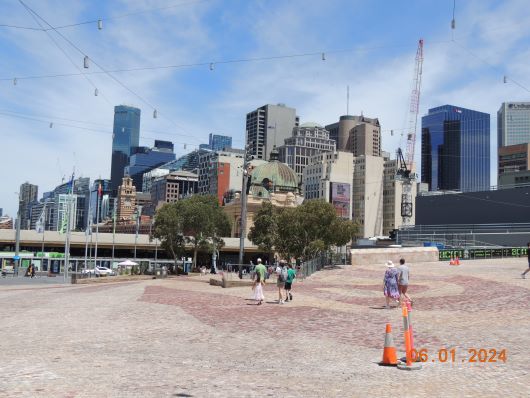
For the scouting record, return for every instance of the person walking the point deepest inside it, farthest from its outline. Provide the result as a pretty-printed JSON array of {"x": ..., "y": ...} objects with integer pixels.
[
  {"x": 403, "y": 281},
  {"x": 291, "y": 274},
  {"x": 280, "y": 281},
  {"x": 260, "y": 268},
  {"x": 523, "y": 275},
  {"x": 257, "y": 288},
  {"x": 390, "y": 283},
  {"x": 32, "y": 272}
]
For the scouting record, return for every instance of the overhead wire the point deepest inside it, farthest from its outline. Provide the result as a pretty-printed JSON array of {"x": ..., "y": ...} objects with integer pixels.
[
  {"x": 94, "y": 21},
  {"x": 62, "y": 50},
  {"x": 155, "y": 111}
]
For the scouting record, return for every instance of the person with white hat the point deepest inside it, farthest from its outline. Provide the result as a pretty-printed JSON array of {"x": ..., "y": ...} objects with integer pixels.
[{"x": 390, "y": 283}]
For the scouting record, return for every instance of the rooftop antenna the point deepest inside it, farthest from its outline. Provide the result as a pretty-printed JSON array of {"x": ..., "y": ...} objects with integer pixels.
[{"x": 347, "y": 100}]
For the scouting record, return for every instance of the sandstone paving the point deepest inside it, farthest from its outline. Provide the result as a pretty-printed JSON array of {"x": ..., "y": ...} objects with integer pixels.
[{"x": 177, "y": 337}]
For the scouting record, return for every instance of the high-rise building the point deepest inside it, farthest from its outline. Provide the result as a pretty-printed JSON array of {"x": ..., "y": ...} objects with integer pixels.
[
  {"x": 220, "y": 171},
  {"x": 56, "y": 205},
  {"x": 125, "y": 136},
  {"x": 307, "y": 140},
  {"x": 359, "y": 135},
  {"x": 126, "y": 206},
  {"x": 219, "y": 142},
  {"x": 143, "y": 159},
  {"x": 513, "y": 123},
  {"x": 101, "y": 203},
  {"x": 514, "y": 165},
  {"x": 1, "y": 212},
  {"x": 170, "y": 188},
  {"x": 455, "y": 149},
  {"x": 267, "y": 127},
  {"x": 27, "y": 195}
]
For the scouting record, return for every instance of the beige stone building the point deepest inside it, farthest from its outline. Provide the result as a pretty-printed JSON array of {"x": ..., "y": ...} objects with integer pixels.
[
  {"x": 274, "y": 182},
  {"x": 359, "y": 135},
  {"x": 126, "y": 200}
]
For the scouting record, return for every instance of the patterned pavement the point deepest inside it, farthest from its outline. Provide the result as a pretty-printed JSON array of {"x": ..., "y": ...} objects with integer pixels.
[{"x": 181, "y": 337}]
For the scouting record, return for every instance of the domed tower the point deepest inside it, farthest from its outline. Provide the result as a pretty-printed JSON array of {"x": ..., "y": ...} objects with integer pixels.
[{"x": 272, "y": 181}]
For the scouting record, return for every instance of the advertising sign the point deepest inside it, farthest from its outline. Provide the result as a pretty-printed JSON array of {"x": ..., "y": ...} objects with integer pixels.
[
  {"x": 472, "y": 254},
  {"x": 340, "y": 198}
]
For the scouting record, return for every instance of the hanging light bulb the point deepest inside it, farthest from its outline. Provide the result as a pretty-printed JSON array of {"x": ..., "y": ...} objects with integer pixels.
[
  {"x": 85, "y": 62},
  {"x": 211, "y": 65},
  {"x": 96, "y": 91},
  {"x": 391, "y": 132},
  {"x": 453, "y": 24},
  {"x": 185, "y": 146},
  {"x": 51, "y": 124},
  {"x": 155, "y": 114},
  {"x": 123, "y": 129},
  {"x": 323, "y": 56},
  {"x": 100, "y": 24},
  {"x": 505, "y": 79},
  {"x": 15, "y": 81}
]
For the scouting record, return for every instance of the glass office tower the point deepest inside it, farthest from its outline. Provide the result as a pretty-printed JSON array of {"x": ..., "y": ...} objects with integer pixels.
[
  {"x": 125, "y": 136},
  {"x": 455, "y": 149}
]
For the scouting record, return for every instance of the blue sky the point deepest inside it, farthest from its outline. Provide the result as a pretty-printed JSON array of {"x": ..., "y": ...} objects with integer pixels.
[{"x": 369, "y": 45}]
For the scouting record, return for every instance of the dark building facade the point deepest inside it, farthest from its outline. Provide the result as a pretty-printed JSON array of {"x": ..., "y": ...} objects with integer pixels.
[
  {"x": 455, "y": 149},
  {"x": 125, "y": 136},
  {"x": 144, "y": 159},
  {"x": 219, "y": 142}
]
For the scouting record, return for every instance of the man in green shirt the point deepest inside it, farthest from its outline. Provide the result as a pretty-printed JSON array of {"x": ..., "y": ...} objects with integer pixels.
[
  {"x": 291, "y": 274},
  {"x": 260, "y": 268}
]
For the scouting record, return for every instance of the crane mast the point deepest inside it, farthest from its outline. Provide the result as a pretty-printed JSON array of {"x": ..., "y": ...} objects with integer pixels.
[{"x": 406, "y": 160}]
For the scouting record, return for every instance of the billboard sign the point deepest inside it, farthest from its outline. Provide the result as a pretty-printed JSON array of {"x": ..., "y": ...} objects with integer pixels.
[{"x": 340, "y": 198}]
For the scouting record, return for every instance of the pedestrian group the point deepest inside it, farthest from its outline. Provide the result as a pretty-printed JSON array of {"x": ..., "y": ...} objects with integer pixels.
[{"x": 285, "y": 275}]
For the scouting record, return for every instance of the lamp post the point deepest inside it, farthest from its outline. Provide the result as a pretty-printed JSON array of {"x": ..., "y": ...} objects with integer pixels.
[
  {"x": 242, "y": 234},
  {"x": 17, "y": 239}
]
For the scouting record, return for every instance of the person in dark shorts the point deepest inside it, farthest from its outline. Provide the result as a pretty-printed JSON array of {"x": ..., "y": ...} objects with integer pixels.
[
  {"x": 523, "y": 275},
  {"x": 291, "y": 274}
]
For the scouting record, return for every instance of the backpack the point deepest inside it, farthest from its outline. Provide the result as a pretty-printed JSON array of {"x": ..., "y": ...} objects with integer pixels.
[
  {"x": 279, "y": 272},
  {"x": 285, "y": 275}
]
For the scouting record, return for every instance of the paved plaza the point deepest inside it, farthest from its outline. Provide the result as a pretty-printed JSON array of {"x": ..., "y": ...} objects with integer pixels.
[{"x": 181, "y": 337}]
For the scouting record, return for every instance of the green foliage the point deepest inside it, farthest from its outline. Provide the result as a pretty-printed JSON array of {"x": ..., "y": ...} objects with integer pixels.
[
  {"x": 300, "y": 232},
  {"x": 198, "y": 221}
]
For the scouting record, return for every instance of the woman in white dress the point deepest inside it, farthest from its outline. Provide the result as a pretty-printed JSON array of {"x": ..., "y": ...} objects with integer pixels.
[{"x": 257, "y": 288}]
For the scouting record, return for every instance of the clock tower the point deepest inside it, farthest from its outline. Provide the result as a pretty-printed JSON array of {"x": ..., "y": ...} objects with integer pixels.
[{"x": 126, "y": 199}]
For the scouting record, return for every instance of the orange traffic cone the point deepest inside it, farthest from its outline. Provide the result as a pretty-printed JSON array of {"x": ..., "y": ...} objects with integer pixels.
[
  {"x": 457, "y": 261},
  {"x": 452, "y": 262},
  {"x": 389, "y": 352}
]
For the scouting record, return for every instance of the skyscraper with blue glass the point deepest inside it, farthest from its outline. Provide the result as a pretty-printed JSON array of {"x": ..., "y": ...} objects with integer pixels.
[
  {"x": 125, "y": 136},
  {"x": 455, "y": 149}
]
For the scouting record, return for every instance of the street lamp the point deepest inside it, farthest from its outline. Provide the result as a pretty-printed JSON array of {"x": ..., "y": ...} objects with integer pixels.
[
  {"x": 17, "y": 239},
  {"x": 244, "y": 185}
]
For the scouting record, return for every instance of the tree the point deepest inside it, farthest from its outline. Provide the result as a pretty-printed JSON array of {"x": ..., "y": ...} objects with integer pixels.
[
  {"x": 168, "y": 228},
  {"x": 302, "y": 232},
  {"x": 264, "y": 231},
  {"x": 204, "y": 223}
]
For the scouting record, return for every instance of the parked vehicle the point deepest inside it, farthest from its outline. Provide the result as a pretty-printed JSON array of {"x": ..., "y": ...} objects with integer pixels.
[{"x": 104, "y": 271}]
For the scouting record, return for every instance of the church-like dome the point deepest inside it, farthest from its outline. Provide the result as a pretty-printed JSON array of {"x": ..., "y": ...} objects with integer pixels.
[{"x": 273, "y": 176}]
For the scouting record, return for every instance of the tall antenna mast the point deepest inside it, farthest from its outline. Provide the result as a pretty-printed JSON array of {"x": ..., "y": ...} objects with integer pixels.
[{"x": 347, "y": 100}]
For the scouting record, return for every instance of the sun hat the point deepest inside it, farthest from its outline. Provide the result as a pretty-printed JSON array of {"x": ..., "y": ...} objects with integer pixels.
[{"x": 389, "y": 264}]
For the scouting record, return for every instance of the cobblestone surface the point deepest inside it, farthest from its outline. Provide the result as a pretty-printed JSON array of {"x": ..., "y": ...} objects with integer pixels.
[{"x": 180, "y": 338}]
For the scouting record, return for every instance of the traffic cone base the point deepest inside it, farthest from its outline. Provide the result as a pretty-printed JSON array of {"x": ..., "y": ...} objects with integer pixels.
[
  {"x": 412, "y": 366},
  {"x": 389, "y": 351}
]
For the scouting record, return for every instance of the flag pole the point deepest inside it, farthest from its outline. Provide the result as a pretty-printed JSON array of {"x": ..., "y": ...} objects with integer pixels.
[
  {"x": 43, "y": 229},
  {"x": 97, "y": 227},
  {"x": 113, "y": 227},
  {"x": 68, "y": 230},
  {"x": 88, "y": 230}
]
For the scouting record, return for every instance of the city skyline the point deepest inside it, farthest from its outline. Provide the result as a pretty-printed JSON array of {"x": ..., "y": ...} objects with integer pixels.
[{"x": 468, "y": 71}]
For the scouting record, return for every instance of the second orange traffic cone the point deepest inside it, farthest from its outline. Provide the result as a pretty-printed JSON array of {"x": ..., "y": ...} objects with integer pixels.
[{"x": 389, "y": 352}]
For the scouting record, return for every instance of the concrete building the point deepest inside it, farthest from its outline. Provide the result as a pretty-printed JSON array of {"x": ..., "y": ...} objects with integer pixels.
[
  {"x": 359, "y": 135},
  {"x": 326, "y": 171},
  {"x": 125, "y": 136},
  {"x": 220, "y": 172},
  {"x": 170, "y": 188},
  {"x": 392, "y": 191},
  {"x": 455, "y": 149},
  {"x": 514, "y": 179},
  {"x": 27, "y": 195},
  {"x": 126, "y": 206},
  {"x": 267, "y": 127},
  {"x": 513, "y": 123},
  {"x": 6, "y": 222},
  {"x": 307, "y": 140}
]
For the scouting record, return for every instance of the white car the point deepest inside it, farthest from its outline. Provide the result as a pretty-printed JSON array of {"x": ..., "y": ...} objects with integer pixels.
[{"x": 103, "y": 271}]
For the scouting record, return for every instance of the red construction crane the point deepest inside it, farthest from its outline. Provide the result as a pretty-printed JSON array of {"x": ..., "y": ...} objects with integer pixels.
[{"x": 406, "y": 161}]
